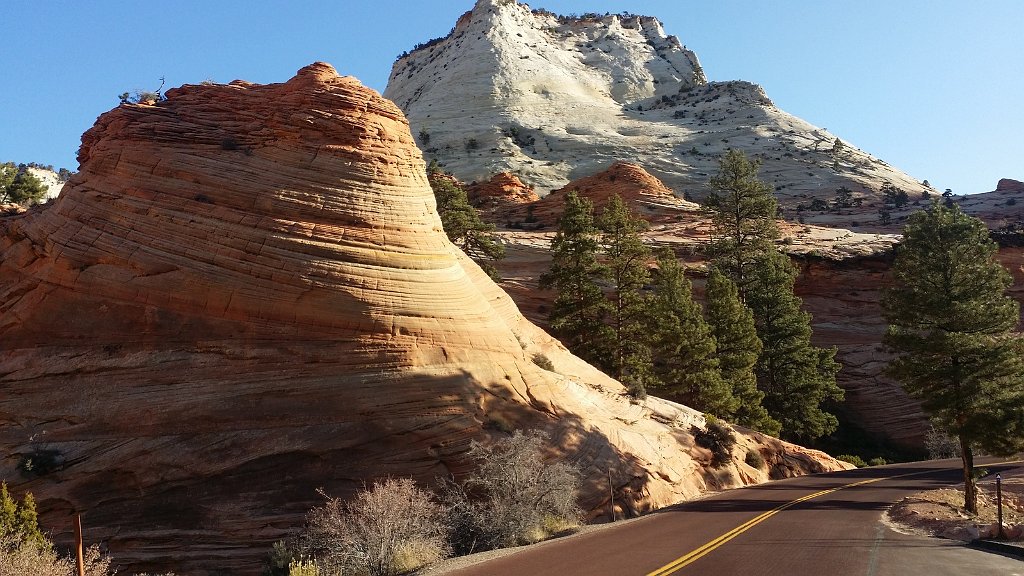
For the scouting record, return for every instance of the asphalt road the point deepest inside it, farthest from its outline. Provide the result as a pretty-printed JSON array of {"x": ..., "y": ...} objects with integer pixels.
[{"x": 828, "y": 524}]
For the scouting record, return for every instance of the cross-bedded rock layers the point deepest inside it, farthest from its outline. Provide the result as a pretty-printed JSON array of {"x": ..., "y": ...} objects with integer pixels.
[{"x": 245, "y": 294}]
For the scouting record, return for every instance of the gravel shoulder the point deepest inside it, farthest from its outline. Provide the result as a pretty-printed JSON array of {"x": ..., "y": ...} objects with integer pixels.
[{"x": 940, "y": 512}]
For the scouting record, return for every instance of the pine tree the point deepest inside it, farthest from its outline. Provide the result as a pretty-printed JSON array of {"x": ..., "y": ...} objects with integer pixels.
[
  {"x": 686, "y": 361},
  {"x": 953, "y": 329},
  {"x": 742, "y": 211},
  {"x": 580, "y": 309},
  {"x": 462, "y": 223},
  {"x": 626, "y": 258},
  {"x": 19, "y": 186},
  {"x": 797, "y": 378},
  {"x": 738, "y": 347}
]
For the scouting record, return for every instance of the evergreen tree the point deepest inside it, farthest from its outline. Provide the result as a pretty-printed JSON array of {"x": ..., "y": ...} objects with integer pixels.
[
  {"x": 952, "y": 326},
  {"x": 580, "y": 308},
  {"x": 626, "y": 258},
  {"x": 8, "y": 511},
  {"x": 7, "y": 173},
  {"x": 742, "y": 211},
  {"x": 28, "y": 521},
  {"x": 738, "y": 347},
  {"x": 19, "y": 186},
  {"x": 462, "y": 223},
  {"x": 797, "y": 378},
  {"x": 686, "y": 361},
  {"x": 20, "y": 522}
]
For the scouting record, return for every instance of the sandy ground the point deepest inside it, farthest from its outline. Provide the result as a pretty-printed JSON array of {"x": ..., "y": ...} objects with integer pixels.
[{"x": 940, "y": 512}]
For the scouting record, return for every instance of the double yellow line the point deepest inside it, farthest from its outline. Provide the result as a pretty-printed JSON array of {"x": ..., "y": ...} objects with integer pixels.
[{"x": 706, "y": 549}]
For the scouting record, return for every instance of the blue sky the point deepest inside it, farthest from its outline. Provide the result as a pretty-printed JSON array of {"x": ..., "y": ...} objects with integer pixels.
[{"x": 934, "y": 87}]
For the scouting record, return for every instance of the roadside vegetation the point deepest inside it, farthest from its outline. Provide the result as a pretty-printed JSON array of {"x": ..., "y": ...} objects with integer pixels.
[
  {"x": 514, "y": 497},
  {"x": 954, "y": 331},
  {"x": 26, "y": 551}
]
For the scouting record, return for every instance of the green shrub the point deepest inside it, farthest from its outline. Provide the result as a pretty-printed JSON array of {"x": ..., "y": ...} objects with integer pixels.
[
  {"x": 717, "y": 437},
  {"x": 852, "y": 459},
  {"x": 877, "y": 461},
  {"x": 754, "y": 459},
  {"x": 40, "y": 462},
  {"x": 542, "y": 361}
]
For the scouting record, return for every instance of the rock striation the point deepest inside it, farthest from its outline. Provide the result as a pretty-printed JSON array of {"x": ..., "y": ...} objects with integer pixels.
[
  {"x": 245, "y": 294},
  {"x": 552, "y": 99}
]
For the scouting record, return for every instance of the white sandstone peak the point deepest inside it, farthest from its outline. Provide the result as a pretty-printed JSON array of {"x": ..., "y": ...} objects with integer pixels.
[{"x": 553, "y": 98}]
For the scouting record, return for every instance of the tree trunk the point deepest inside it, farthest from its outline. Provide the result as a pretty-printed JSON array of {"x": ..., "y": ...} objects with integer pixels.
[{"x": 970, "y": 485}]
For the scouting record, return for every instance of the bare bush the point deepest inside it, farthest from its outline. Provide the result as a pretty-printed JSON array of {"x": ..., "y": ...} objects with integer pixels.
[
  {"x": 515, "y": 497},
  {"x": 940, "y": 445},
  {"x": 391, "y": 528},
  {"x": 23, "y": 557}
]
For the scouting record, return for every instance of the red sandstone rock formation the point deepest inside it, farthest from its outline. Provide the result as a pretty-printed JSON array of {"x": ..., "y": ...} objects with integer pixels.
[
  {"x": 1008, "y": 184},
  {"x": 641, "y": 191},
  {"x": 500, "y": 198},
  {"x": 245, "y": 294}
]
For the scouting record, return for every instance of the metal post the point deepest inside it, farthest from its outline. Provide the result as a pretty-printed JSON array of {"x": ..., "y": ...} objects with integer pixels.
[
  {"x": 611, "y": 495},
  {"x": 79, "y": 560},
  {"x": 999, "y": 501}
]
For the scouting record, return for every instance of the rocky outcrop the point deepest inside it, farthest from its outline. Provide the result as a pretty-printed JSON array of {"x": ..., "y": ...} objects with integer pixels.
[
  {"x": 245, "y": 294},
  {"x": 640, "y": 191},
  {"x": 1009, "y": 185},
  {"x": 553, "y": 99},
  {"x": 500, "y": 198}
]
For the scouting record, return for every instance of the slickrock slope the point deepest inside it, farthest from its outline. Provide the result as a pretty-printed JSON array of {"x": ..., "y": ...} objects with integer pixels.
[
  {"x": 245, "y": 294},
  {"x": 553, "y": 99}
]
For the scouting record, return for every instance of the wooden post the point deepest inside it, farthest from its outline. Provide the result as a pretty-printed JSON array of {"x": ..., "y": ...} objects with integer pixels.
[
  {"x": 611, "y": 495},
  {"x": 79, "y": 553}
]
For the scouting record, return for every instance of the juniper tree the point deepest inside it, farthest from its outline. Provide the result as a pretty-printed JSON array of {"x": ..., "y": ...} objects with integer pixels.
[
  {"x": 626, "y": 258},
  {"x": 738, "y": 347},
  {"x": 580, "y": 309},
  {"x": 686, "y": 356},
  {"x": 462, "y": 223},
  {"x": 797, "y": 378},
  {"x": 953, "y": 329}
]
